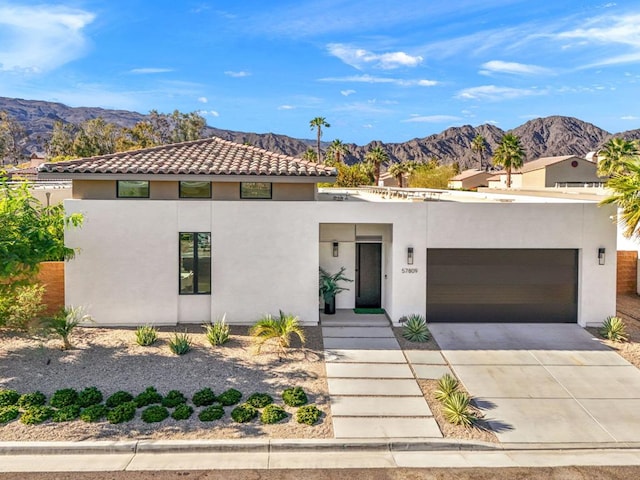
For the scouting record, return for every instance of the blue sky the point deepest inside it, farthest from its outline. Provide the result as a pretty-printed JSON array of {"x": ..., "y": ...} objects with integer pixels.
[{"x": 375, "y": 69}]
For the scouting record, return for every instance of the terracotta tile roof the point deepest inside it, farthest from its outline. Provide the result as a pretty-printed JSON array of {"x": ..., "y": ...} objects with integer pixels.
[{"x": 211, "y": 156}]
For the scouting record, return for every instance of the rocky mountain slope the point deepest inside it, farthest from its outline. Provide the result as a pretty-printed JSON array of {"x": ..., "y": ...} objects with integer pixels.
[{"x": 555, "y": 135}]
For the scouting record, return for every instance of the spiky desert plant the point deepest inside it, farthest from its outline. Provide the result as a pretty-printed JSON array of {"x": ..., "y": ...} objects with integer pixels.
[
  {"x": 146, "y": 335},
  {"x": 65, "y": 322},
  {"x": 457, "y": 410},
  {"x": 180, "y": 343},
  {"x": 613, "y": 328},
  {"x": 447, "y": 385},
  {"x": 277, "y": 329},
  {"x": 415, "y": 329},
  {"x": 217, "y": 333}
]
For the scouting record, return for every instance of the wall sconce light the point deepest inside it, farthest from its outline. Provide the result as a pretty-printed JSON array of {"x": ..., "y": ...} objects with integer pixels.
[
  {"x": 601, "y": 256},
  {"x": 410, "y": 256},
  {"x": 335, "y": 249}
]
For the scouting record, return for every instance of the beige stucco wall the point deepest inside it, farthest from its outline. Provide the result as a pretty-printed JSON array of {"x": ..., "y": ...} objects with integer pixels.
[
  {"x": 534, "y": 179},
  {"x": 94, "y": 189}
]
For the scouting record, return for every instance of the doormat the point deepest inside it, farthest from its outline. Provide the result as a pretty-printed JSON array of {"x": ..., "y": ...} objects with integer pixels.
[{"x": 370, "y": 311}]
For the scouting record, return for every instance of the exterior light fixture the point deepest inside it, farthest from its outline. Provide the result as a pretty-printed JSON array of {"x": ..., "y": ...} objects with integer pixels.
[
  {"x": 410, "y": 256},
  {"x": 601, "y": 253},
  {"x": 335, "y": 249}
]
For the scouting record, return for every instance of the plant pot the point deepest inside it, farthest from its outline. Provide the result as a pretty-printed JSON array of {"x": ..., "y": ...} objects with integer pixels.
[{"x": 330, "y": 306}]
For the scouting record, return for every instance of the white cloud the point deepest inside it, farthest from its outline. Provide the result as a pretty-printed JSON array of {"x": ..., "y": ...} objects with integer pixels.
[
  {"x": 286, "y": 107},
  {"x": 149, "y": 70},
  {"x": 371, "y": 79},
  {"x": 208, "y": 113},
  {"x": 367, "y": 125},
  {"x": 492, "y": 92},
  {"x": 39, "y": 38},
  {"x": 203, "y": 99},
  {"x": 359, "y": 58},
  {"x": 432, "y": 118},
  {"x": 346, "y": 93},
  {"x": 629, "y": 117},
  {"x": 237, "y": 74},
  {"x": 498, "y": 66},
  {"x": 492, "y": 122}
]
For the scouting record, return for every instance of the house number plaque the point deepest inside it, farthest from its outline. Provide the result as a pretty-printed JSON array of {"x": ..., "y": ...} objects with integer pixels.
[{"x": 409, "y": 270}]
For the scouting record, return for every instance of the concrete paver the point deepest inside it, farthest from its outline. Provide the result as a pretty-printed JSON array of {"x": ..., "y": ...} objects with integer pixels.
[
  {"x": 379, "y": 406},
  {"x": 383, "y": 332},
  {"x": 364, "y": 356},
  {"x": 367, "y": 387},
  {"x": 348, "y": 459},
  {"x": 431, "y": 372},
  {"x": 63, "y": 463},
  {"x": 430, "y": 357},
  {"x": 361, "y": 343},
  {"x": 599, "y": 381},
  {"x": 368, "y": 370},
  {"x": 490, "y": 357},
  {"x": 622, "y": 423},
  {"x": 385, "y": 427},
  {"x": 577, "y": 358},
  {"x": 199, "y": 461}
]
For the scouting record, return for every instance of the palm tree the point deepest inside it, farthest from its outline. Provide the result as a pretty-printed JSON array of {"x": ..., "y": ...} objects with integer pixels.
[
  {"x": 337, "y": 150},
  {"x": 625, "y": 187},
  {"x": 318, "y": 123},
  {"x": 479, "y": 146},
  {"x": 509, "y": 154},
  {"x": 398, "y": 170},
  {"x": 310, "y": 155},
  {"x": 376, "y": 157},
  {"x": 278, "y": 329},
  {"x": 612, "y": 154}
]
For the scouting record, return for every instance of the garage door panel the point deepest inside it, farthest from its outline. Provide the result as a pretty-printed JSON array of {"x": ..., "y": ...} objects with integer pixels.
[{"x": 502, "y": 285}]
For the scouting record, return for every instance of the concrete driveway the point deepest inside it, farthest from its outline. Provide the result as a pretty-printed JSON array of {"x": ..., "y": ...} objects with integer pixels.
[{"x": 545, "y": 383}]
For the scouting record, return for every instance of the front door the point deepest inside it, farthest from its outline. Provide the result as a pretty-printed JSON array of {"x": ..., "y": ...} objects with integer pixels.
[{"x": 368, "y": 275}]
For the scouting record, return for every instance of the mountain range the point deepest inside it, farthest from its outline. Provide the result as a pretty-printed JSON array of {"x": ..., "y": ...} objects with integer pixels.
[{"x": 540, "y": 137}]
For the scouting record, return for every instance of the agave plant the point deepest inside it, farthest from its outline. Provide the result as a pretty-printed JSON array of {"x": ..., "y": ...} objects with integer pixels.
[
  {"x": 217, "y": 333},
  {"x": 65, "y": 322},
  {"x": 613, "y": 328},
  {"x": 276, "y": 329},
  {"x": 457, "y": 411},
  {"x": 447, "y": 385},
  {"x": 146, "y": 335},
  {"x": 415, "y": 329}
]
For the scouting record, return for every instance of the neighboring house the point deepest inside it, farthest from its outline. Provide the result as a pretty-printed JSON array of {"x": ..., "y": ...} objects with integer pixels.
[
  {"x": 472, "y": 178},
  {"x": 551, "y": 172},
  {"x": 188, "y": 232}
]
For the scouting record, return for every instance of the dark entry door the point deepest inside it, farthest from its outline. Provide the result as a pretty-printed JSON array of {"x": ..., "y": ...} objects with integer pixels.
[{"x": 368, "y": 275}]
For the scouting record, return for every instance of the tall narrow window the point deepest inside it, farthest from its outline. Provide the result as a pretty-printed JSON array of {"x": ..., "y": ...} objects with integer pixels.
[{"x": 195, "y": 263}]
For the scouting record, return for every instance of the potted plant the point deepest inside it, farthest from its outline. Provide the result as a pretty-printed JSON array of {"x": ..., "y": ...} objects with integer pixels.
[{"x": 329, "y": 288}]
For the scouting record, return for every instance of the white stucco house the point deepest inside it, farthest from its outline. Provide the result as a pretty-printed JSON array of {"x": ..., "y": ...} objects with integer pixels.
[{"x": 188, "y": 232}]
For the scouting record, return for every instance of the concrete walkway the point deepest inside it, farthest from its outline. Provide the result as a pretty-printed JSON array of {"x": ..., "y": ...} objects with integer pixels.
[
  {"x": 372, "y": 388},
  {"x": 545, "y": 383}
]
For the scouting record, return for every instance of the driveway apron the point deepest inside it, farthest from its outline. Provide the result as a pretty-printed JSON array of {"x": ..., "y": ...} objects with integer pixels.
[{"x": 545, "y": 383}]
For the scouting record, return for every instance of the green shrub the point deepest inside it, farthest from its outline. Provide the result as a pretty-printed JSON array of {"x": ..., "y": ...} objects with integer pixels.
[
  {"x": 154, "y": 414},
  {"x": 447, "y": 385},
  {"x": 36, "y": 414},
  {"x": 456, "y": 409},
  {"x": 277, "y": 329},
  {"x": 182, "y": 412},
  {"x": 94, "y": 413},
  {"x": 8, "y": 413},
  {"x": 33, "y": 399},
  {"x": 308, "y": 414},
  {"x": 229, "y": 397},
  {"x": 146, "y": 335},
  {"x": 21, "y": 309},
  {"x": 8, "y": 398},
  {"x": 123, "y": 412},
  {"x": 294, "y": 397},
  {"x": 118, "y": 398},
  {"x": 89, "y": 396},
  {"x": 217, "y": 333},
  {"x": 273, "y": 414},
  {"x": 66, "y": 414},
  {"x": 173, "y": 399},
  {"x": 259, "y": 400},
  {"x": 64, "y": 398},
  {"x": 209, "y": 414},
  {"x": 180, "y": 343},
  {"x": 415, "y": 329},
  {"x": 613, "y": 328},
  {"x": 148, "y": 397},
  {"x": 244, "y": 413},
  {"x": 204, "y": 397}
]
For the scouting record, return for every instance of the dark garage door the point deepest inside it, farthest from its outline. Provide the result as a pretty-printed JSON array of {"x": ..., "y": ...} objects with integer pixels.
[{"x": 502, "y": 285}]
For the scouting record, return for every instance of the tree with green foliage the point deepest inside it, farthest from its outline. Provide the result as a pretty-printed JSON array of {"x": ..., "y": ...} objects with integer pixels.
[
  {"x": 30, "y": 233},
  {"x": 377, "y": 157},
  {"x": 429, "y": 175},
  {"x": 12, "y": 139},
  {"x": 354, "y": 175},
  {"x": 318, "y": 123},
  {"x": 509, "y": 155},
  {"x": 625, "y": 186},
  {"x": 399, "y": 170},
  {"x": 612, "y": 156},
  {"x": 479, "y": 146},
  {"x": 336, "y": 152},
  {"x": 310, "y": 155}
]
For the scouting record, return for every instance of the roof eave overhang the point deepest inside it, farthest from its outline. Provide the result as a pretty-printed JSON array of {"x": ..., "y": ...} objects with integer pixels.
[{"x": 188, "y": 177}]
